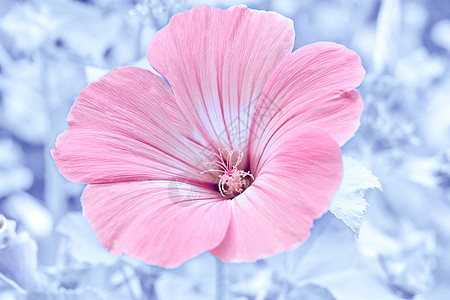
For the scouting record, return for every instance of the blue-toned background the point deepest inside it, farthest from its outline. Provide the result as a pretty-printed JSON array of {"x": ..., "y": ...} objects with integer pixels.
[{"x": 50, "y": 50}]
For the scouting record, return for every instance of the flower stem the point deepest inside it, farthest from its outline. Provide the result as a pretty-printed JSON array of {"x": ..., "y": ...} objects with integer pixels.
[
  {"x": 54, "y": 195},
  {"x": 220, "y": 280}
]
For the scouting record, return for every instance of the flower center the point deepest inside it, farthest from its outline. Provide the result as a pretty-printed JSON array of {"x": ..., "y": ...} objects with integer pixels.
[{"x": 232, "y": 180}]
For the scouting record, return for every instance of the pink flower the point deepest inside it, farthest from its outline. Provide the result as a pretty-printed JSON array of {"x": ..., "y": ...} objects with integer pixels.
[{"x": 238, "y": 156}]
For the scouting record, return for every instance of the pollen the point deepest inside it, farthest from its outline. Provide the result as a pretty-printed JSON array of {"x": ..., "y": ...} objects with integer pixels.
[{"x": 232, "y": 180}]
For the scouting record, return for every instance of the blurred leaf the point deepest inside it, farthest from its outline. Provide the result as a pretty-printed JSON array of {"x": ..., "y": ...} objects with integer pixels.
[
  {"x": 410, "y": 270},
  {"x": 440, "y": 33},
  {"x": 310, "y": 292},
  {"x": 194, "y": 280},
  {"x": 353, "y": 284},
  {"x": 388, "y": 36},
  {"x": 24, "y": 111},
  {"x": 29, "y": 25},
  {"x": 407, "y": 258},
  {"x": 30, "y": 213},
  {"x": 83, "y": 245},
  {"x": 331, "y": 247},
  {"x": 18, "y": 256},
  {"x": 15, "y": 180},
  {"x": 11, "y": 154},
  {"x": 259, "y": 284}
]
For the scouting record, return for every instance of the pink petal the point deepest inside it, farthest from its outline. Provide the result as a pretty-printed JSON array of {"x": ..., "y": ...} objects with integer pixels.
[
  {"x": 293, "y": 188},
  {"x": 160, "y": 222},
  {"x": 217, "y": 63},
  {"x": 312, "y": 87},
  {"x": 124, "y": 127}
]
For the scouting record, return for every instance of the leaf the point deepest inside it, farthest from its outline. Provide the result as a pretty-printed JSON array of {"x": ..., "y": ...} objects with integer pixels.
[
  {"x": 330, "y": 248},
  {"x": 83, "y": 246},
  {"x": 310, "y": 292},
  {"x": 349, "y": 204},
  {"x": 30, "y": 213},
  {"x": 18, "y": 258},
  {"x": 388, "y": 36},
  {"x": 355, "y": 284},
  {"x": 194, "y": 280}
]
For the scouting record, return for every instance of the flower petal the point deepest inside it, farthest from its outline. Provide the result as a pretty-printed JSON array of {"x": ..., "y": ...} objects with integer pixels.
[
  {"x": 217, "y": 63},
  {"x": 312, "y": 87},
  {"x": 163, "y": 223},
  {"x": 293, "y": 188},
  {"x": 126, "y": 127}
]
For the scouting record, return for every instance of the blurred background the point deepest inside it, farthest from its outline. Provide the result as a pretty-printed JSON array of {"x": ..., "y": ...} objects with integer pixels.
[{"x": 50, "y": 50}]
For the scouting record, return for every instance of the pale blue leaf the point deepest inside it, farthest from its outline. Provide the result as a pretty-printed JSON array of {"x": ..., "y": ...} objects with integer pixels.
[
  {"x": 310, "y": 292},
  {"x": 258, "y": 285},
  {"x": 408, "y": 259},
  {"x": 194, "y": 280},
  {"x": 15, "y": 180},
  {"x": 83, "y": 245},
  {"x": 388, "y": 36},
  {"x": 440, "y": 33},
  {"x": 18, "y": 257},
  {"x": 331, "y": 247},
  {"x": 349, "y": 204},
  {"x": 355, "y": 284},
  {"x": 30, "y": 213}
]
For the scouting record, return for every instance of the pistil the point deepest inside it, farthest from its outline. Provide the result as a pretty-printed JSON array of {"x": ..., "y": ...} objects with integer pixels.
[{"x": 232, "y": 180}]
